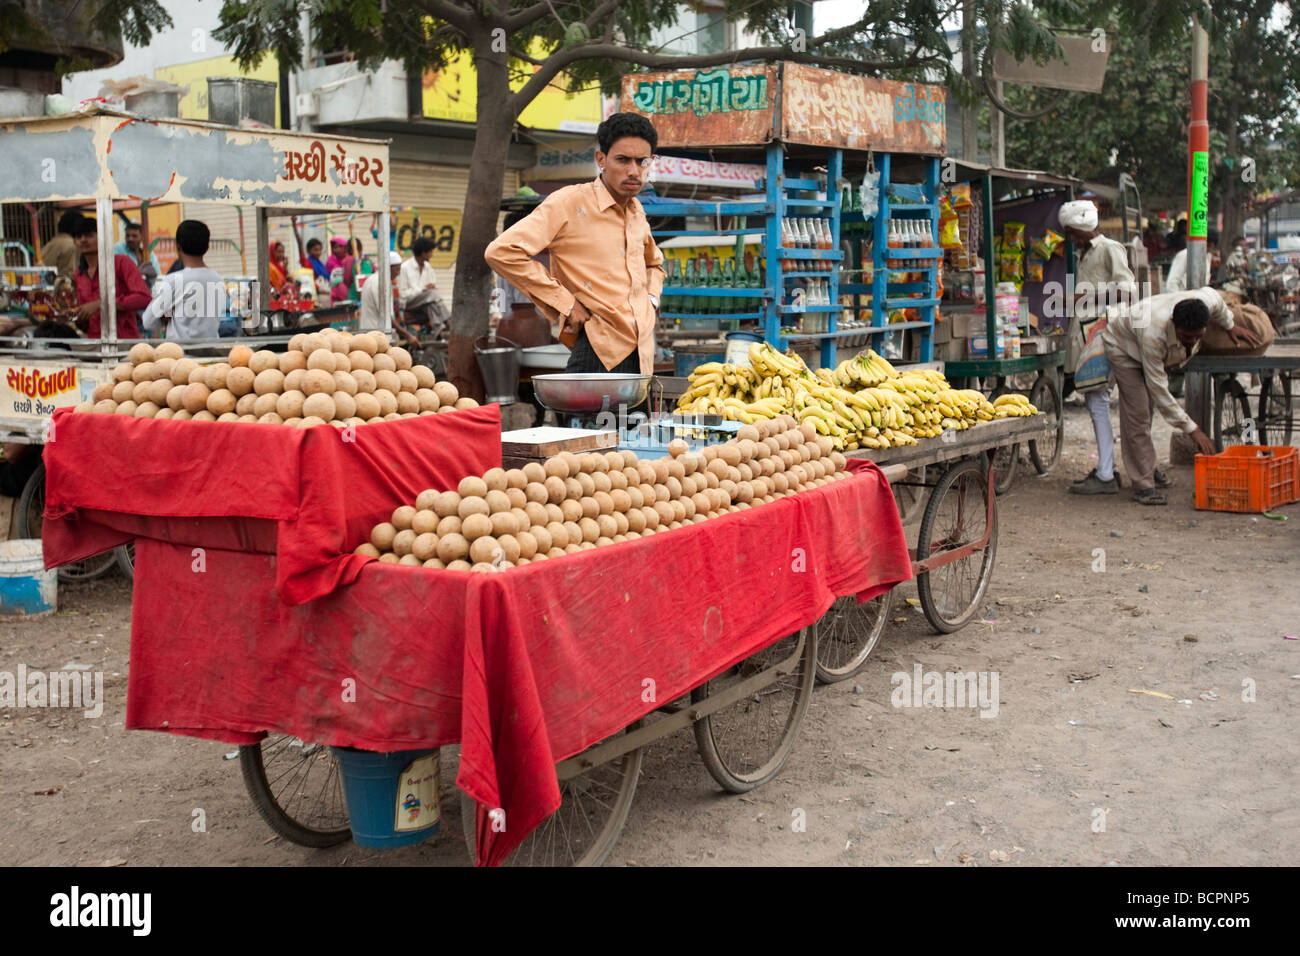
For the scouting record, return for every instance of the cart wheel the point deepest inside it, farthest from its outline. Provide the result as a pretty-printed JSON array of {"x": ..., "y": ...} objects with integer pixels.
[
  {"x": 848, "y": 634},
  {"x": 1045, "y": 453},
  {"x": 31, "y": 507},
  {"x": 1005, "y": 462},
  {"x": 125, "y": 556},
  {"x": 593, "y": 808},
  {"x": 909, "y": 495},
  {"x": 297, "y": 789},
  {"x": 1275, "y": 410},
  {"x": 747, "y": 743},
  {"x": 1231, "y": 412},
  {"x": 1006, "y": 458},
  {"x": 956, "y": 515}
]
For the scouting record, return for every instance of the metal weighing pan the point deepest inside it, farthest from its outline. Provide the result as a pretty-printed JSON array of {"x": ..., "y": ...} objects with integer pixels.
[{"x": 580, "y": 393}]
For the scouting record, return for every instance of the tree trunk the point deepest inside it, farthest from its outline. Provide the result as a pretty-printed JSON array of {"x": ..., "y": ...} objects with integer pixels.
[{"x": 496, "y": 119}]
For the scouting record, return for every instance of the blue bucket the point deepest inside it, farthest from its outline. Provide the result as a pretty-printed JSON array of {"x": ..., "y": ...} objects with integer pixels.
[
  {"x": 392, "y": 798},
  {"x": 27, "y": 590}
]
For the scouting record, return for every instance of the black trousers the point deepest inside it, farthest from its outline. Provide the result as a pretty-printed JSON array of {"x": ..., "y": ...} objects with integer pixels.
[{"x": 583, "y": 358}]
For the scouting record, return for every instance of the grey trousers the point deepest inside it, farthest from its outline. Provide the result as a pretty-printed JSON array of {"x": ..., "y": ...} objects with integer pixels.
[{"x": 1136, "y": 407}]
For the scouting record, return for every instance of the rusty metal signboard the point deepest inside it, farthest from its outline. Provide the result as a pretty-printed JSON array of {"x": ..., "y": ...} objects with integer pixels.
[
  {"x": 116, "y": 156},
  {"x": 736, "y": 106},
  {"x": 724, "y": 106},
  {"x": 825, "y": 108}
]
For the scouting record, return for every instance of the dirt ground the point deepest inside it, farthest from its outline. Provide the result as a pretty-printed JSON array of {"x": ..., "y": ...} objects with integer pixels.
[{"x": 1075, "y": 769}]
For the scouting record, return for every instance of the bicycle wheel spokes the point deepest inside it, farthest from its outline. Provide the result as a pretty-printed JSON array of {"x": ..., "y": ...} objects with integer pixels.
[
  {"x": 747, "y": 742},
  {"x": 304, "y": 781},
  {"x": 593, "y": 808},
  {"x": 847, "y": 635}
]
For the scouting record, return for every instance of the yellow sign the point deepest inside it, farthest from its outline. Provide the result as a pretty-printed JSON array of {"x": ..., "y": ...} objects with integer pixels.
[
  {"x": 34, "y": 390},
  {"x": 194, "y": 105},
  {"x": 440, "y": 225},
  {"x": 452, "y": 94}
]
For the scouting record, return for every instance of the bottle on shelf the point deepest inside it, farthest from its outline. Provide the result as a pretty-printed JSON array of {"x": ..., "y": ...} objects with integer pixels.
[
  {"x": 789, "y": 240},
  {"x": 689, "y": 281},
  {"x": 670, "y": 303},
  {"x": 727, "y": 280},
  {"x": 891, "y": 242}
]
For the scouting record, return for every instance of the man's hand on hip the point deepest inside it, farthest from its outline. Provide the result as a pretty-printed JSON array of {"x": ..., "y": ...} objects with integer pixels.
[{"x": 576, "y": 319}]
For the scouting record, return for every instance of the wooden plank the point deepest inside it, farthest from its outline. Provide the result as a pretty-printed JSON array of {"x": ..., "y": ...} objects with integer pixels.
[
  {"x": 546, "y": 441},
  {"x": 981, "y": 437}
]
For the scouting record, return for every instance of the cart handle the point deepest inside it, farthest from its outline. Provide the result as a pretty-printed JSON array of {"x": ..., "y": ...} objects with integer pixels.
[{"x": 894, "y": 473}]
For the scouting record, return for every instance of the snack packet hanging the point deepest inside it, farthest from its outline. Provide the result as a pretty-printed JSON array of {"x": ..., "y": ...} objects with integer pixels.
[
  {"x": 1013, "y": 234},
  {"x": 1046, "y": 245},
  {"x": 945, "y": 207},
  {"x": 961, "y": 195},
  {"x": 1034, "y": 268},
  {"x": 949, "y": 233}
]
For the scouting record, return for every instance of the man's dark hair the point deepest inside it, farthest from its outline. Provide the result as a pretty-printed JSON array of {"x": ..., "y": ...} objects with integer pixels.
[
  {"x": 313, "y": 244},
  {"x": 626, "y": 124},
  {"x": 422, "y": 245},
  {"x": 68, "y": 221},
  {"x": 1212, "y": 237},
  {"x": 132, "y": 225},
  {"x": 517, "y": 216},
  {"x": 49, "y": 329},
  {"x": 193, "y": 237},
  {"x": 84, "y": 226},
  {"x": 1191, "y": 315}
]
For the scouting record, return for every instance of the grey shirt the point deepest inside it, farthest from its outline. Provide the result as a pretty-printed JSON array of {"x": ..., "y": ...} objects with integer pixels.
[{"x": 194, "y": 300}]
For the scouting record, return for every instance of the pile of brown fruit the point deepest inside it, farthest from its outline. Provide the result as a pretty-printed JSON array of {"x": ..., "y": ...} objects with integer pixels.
[
  {"x": 504, "y": 519},
  {"x": 327, "y": 377}
]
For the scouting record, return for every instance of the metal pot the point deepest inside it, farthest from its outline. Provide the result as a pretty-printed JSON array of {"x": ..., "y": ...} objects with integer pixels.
[
  {"x": 589, "y": 392},
  {"x": 499, "y": 360}
]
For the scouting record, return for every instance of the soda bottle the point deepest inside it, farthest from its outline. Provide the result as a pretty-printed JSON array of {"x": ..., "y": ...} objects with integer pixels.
[
  {"x": 688, "y": 281},
  {"x": 790, "y": 240},
  {"x": 894, "y": 240}
]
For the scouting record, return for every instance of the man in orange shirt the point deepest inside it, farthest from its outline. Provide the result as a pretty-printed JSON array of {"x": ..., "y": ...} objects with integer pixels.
[{"x": 606, "y": 271}]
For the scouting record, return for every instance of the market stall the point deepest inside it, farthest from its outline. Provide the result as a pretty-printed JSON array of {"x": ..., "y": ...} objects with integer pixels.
[
  {"x": 102, "y": 159},
  {"x": 525, "y": 668},
  {"x": 816, "y": 135},
  {"x": 1007, "y": 284}
]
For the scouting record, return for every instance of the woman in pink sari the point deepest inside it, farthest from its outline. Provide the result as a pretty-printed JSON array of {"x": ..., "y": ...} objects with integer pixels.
[{"x": 339, "y": 265}]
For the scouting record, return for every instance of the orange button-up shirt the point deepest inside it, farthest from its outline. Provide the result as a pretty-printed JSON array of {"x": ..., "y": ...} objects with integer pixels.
[{"x": 601, "y": 254}]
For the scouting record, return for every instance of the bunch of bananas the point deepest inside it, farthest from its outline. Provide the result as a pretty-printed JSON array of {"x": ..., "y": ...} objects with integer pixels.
[
  {"x": 1012, "y": 406},
  {"x": 894, "y": 409},
  {"x": 864, "y": 370}
]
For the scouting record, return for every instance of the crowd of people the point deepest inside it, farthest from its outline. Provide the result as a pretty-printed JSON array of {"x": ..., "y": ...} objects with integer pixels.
[{"x": 188, "y": 300}]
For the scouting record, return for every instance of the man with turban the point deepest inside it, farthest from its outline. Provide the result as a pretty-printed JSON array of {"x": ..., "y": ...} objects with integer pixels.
[{"x": 1103, "y": 280}]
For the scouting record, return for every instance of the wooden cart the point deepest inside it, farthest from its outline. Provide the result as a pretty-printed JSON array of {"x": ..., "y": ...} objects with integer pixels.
[{"x": 951, "y": 485}]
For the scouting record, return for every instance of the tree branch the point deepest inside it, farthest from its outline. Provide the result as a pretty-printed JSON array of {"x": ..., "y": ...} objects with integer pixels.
[
  {"x": 530, "y": 15},
  {"x": 600, "y": 13},
  {"x": 453, "y": 13}
]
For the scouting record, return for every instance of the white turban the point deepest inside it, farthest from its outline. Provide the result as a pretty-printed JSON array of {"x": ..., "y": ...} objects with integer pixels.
[{"x": 1078, "y": 214}]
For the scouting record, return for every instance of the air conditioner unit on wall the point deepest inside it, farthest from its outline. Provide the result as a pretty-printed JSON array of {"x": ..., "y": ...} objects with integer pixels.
[{"x": 345, "y": 95}]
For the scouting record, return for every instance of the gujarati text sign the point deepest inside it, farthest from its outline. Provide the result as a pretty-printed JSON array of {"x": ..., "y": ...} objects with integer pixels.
[
  {"x": 825, "y": 108},
  {"x": 725, "y": 106}
]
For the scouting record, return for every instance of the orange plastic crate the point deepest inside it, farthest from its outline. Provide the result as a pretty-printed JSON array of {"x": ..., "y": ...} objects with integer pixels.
[{"x": 1248, "y": 478}]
